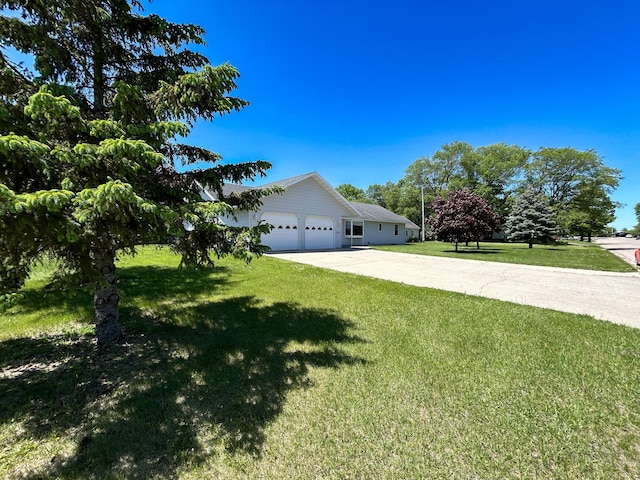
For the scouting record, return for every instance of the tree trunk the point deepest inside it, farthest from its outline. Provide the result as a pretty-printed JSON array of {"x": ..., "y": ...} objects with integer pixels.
[
  {"x": 456, "y": 245},
  {"x": 99, "y": 84},
  {"x": 530, "y": 241},
  {"x": 106, "y": 300},
  {"x": 477, "y": 244}
]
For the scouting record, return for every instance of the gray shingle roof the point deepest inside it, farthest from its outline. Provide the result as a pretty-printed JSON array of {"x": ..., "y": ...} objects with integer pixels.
[
  {"x": 290, "y": 181},
  {"x": 227, "y": 189},
  {"x": 369, "y": 211},
  {"x": 230, "y": 188}
]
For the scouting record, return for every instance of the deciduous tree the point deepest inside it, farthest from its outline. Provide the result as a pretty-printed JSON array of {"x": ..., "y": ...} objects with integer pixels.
[
  {"x": 441, "y": 172},
  {"x": 493, "y": 172},
  {"x": 636, "y": 209},
  {"x": 590, "y": 211},
  {"x": 562, "y": 174},
  {"x": 462, "y": 216},
  {"x": 352, "y": 193},
  {"x": 88, "y": 151},
  {"x": 375, "y": 193}
]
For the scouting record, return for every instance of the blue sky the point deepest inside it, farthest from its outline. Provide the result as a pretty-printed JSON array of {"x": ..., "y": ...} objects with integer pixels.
[{"x": 357, "y": 90}]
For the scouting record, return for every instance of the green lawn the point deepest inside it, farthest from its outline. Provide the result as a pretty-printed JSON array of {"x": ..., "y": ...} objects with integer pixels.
[
  {"x": 279, "y": 370},
  {"x": 582, "y": 255}
]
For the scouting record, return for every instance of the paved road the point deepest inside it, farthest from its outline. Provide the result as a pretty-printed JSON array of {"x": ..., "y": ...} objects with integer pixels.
[
  {"x": 625, "y": 248},
  {"x": 603, "y": 295}
]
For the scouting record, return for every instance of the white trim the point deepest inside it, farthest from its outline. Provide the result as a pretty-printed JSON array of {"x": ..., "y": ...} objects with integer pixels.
[
  {"x": 351, "y": 225},
  {"x": 211, "y": 197}
]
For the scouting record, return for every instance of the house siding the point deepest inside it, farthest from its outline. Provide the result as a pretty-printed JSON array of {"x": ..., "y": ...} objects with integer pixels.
[
  {"x": 308, "y": 198},
  {"x": 317, "y": 213},
  {"x": 242, "y": 220},
  {"x": 384, "y": 237},
  {"x": 373, "y": 236}
]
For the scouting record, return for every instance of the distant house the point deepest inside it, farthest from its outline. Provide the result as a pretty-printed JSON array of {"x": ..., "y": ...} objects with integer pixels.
[{"x": 312, "y": 215}]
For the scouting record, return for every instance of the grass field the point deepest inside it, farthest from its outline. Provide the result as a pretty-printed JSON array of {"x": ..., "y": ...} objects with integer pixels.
[
  {"x": 279, "y": 370},
  {"x": 582, "y": 255}
]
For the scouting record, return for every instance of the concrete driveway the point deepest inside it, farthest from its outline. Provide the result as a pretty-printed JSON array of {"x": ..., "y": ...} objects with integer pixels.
[{"x": 603, "y": 295}]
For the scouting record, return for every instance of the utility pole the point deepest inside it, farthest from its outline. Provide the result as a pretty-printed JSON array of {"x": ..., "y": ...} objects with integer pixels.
[{"x": 422, "y": 194}]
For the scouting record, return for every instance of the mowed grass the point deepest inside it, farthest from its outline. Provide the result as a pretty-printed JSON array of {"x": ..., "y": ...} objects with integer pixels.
[
  {"x": 279, "y": 370},
  {"x": 583, "y": 255}
]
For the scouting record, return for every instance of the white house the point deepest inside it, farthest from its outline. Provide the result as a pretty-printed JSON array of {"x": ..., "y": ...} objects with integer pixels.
[{"x": 312, "y": 215}]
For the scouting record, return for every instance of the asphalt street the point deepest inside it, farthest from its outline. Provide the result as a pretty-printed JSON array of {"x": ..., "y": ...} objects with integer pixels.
[
  {"x": 625, "y": 248},
  {"x": 604, "y": 295}
]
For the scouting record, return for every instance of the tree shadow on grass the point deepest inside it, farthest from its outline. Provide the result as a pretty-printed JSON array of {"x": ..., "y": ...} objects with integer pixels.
[
  {"x": 144, "y": 282},
  {"x": 624, "y": 249},
  {"x": 468, "y": 250},
  {"x": 171, "y": 395}
]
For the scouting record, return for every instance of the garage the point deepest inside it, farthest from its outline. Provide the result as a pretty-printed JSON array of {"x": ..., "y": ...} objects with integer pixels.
[
  {"x": 284, "y": 235},
  {"x": 318, "y": 232}
]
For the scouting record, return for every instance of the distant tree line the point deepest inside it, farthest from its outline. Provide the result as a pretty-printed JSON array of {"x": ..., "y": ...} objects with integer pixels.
[{"x": 576, "y": 185}]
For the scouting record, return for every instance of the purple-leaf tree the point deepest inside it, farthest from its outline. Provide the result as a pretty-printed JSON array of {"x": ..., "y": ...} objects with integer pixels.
[{"x": 462, "y": 216}]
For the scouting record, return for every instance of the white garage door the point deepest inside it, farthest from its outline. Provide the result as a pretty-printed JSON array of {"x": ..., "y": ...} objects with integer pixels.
[
  {"x": 318, "y": 232},
  {"x": 284, "y": 235}
]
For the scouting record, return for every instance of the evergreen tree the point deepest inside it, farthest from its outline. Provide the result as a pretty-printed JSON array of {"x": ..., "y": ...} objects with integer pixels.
[
  {"x": 531, "y": 218},
  {"x": 88, "y": 149}
]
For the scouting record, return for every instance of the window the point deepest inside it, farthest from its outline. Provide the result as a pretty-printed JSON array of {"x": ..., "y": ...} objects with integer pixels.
[
  {"x": 406, "y": 233},
  {"x": 353, "y": 228},
  {"x": 395, "y": 229},
  {"x": 379, "y": 227}
]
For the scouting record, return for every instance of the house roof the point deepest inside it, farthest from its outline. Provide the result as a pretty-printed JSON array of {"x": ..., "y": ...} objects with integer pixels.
[
  {"x": 365, "y": 211},
  {"x": 227, "y": 189},
  {"x": 287, "y": 182},
  {"x": 376, "y": 213}
]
